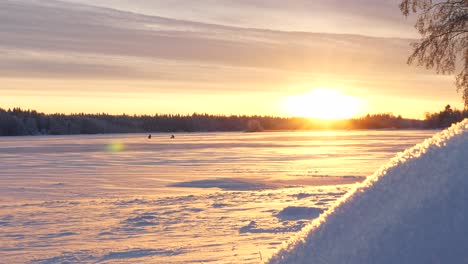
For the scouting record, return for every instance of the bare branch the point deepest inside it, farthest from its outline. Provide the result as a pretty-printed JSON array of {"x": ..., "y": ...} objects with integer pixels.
[{"x": 444, "y": 37}]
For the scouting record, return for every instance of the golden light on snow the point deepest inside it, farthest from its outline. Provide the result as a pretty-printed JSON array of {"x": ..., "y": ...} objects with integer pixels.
[
  {"x": 323, "y": 103},
  {"x": 114, "y": 147}
]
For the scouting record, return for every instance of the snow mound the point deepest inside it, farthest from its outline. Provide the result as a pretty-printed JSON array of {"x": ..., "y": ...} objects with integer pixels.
[
  {"x": 228, "y": 184},
  {"x": 298, "y": 212},
  {"x": 412, "y": 210}
]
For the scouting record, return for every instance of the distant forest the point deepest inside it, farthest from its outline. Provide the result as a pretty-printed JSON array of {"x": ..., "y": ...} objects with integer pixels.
[{"x": 16, "y": 122}]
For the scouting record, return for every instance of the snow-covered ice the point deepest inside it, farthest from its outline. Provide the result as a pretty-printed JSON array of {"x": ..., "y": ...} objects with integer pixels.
[
  {"x": 214, "y": 197},
  {"x": 412, "y": 210}
]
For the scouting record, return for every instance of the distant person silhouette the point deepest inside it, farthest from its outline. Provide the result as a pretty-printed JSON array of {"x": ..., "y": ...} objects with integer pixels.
[
  {"x": 149, "y": 136},
  {"x": 172, "y": 137}
]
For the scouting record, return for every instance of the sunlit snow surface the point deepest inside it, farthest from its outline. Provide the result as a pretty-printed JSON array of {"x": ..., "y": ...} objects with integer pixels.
[
  {"x": 114, "y": 198},
  {"x": 412, "y": 210}
]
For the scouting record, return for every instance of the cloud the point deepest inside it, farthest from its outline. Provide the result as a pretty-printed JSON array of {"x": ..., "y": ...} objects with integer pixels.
[
  {"x": 90, "y": 37},
  {"x": 375, "y": 18}
]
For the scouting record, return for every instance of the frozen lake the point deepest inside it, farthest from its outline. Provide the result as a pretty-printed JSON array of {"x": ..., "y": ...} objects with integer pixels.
[{"x": 200, "y": 198}]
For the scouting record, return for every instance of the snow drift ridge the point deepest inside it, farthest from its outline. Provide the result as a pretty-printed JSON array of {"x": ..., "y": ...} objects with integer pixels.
[{"x": 412, "y": 210}]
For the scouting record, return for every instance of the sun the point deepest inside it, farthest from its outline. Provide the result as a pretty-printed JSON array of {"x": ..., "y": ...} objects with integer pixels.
[{"x": 323, "y": 103}]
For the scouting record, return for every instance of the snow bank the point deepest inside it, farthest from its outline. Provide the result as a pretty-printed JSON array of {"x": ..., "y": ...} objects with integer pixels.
[
  {"x": 299, "y": 212},
  {"x": 412, "y": 210}
]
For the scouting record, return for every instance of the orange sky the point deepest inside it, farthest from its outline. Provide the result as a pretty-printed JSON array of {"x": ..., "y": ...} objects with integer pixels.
[{"x": 211, "y": 56}]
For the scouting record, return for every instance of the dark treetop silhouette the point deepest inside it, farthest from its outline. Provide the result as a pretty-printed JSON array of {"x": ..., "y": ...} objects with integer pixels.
[{"x": 16, "y": 121}]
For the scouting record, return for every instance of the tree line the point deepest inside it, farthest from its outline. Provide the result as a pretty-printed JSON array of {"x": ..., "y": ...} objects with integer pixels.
[{"x": 17, "y": 121}]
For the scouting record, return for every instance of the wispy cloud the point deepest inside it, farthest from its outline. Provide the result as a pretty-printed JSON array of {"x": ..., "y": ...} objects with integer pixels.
[
  {"x": 59, "y": 38},
  {"x": 370, "y": 17}
]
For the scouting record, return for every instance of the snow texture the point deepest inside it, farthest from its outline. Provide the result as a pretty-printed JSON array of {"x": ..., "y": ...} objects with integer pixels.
[{"x": 412, "y": 210}]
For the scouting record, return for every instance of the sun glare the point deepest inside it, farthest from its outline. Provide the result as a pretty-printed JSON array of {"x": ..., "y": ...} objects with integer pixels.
[{"x": 323, "y": 103}]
